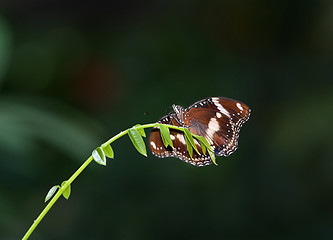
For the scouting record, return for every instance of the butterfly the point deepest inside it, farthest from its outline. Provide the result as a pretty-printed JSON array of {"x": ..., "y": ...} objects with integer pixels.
[{"x": 217, "y": 119}]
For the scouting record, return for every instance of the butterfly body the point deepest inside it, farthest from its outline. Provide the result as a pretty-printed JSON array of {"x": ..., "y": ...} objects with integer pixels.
[{"x": 217, "y": 119}]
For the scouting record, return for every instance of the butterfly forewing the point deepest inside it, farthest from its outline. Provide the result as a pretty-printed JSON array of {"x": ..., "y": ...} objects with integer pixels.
[{"x": 219, "y": 120}]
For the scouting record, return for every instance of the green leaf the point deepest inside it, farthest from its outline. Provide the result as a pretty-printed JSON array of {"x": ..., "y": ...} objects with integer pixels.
[
  {"x": 165, "y": 134},
  {"x": 190, "y": 139},
  {"x": 99, "y": 156},
  {"x": 137, "y": 141},
  {"x": 212, "y": 156},
  {"x": 67, "y": 191},
  {"x": 51, "y": 192},
  {"x": 203, "y": 148},
  {"x": 165, "y": 143},
  {"x": 140, "y": 130},
  {"x": 108, "y": 151},
  {"x": 189, "y": 147},
  {"x": 204, "y": 144}
]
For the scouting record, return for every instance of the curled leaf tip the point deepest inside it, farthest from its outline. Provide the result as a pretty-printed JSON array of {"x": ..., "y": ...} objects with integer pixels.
[
  {"x": 67, "y": 191},
  {"x": 140, "y": 130},
  {"x": 51, "y": 192},
  {"x": 108, "y": 151},
  {"x": 99, "y": 156}
]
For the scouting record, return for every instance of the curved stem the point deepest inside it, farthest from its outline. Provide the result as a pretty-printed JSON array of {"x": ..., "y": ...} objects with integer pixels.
[{"x": 77, "y": 173}]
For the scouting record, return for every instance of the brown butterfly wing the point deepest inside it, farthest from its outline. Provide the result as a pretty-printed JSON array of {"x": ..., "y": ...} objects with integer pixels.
[{"x": 219, "y": 120}]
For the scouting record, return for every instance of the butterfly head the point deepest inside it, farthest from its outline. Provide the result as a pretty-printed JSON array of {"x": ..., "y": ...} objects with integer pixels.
[{"x": 179, "y": 113}]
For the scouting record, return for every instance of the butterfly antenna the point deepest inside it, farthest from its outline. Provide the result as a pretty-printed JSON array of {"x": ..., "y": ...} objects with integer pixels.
[{"x": 169, "y": 110}]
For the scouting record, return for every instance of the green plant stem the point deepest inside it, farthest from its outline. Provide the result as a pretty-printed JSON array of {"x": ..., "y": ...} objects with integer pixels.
[
  {"x": 77, "y": 173},
  {"x": 55, "y": 198}
]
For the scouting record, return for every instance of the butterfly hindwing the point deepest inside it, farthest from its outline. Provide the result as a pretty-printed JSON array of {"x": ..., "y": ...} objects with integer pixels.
[{"x": 179, "y": 149}]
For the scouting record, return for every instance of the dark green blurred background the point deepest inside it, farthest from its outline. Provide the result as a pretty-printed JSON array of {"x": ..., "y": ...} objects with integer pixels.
[{"x": 75, "y": 73}]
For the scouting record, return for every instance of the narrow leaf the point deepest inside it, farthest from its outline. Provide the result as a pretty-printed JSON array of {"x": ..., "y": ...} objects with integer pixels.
[
  {"x": 67, "y": 191},
  {"x": 137, "y": 141},
  {"x": 165, "y": 143},
  {"x": 204, "y": 144},
  {"x": 51, "y": 192},
  {"x": 140, "y": 130},
  {"x": 165, "y": 133},
  {"x": 212, "y": 156},
  {"x": 189, "y": 147},
  {"x": 99, "y": 156},
  {"x": 189, "y": 137},
  {"x": 108, "y": 151},
  {"x": 203, "y": 148}
]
